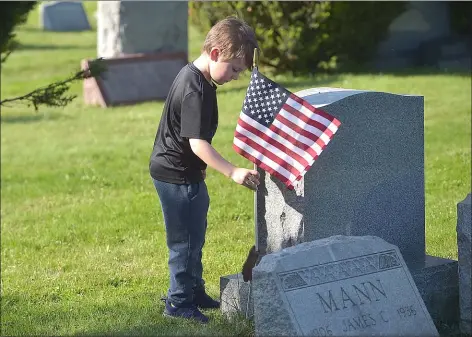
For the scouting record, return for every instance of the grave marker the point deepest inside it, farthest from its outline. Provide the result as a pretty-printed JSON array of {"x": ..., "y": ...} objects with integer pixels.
[
  {"x": 338, "y": 286},
  {"x": 63, "y": 16}
]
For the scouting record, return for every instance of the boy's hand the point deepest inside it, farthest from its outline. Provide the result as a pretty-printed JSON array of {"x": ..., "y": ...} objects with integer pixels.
[{"x": 245, "y": 177}]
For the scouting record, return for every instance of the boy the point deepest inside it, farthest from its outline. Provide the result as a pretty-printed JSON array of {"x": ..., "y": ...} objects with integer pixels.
[{"x": 182, "y": 151}]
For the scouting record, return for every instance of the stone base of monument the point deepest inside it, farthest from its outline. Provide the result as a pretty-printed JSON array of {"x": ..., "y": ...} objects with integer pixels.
[
  {"x": 437, "y": 282},
  {"x": 236, "y": 296},
  {"x": 132, "y": 79}
]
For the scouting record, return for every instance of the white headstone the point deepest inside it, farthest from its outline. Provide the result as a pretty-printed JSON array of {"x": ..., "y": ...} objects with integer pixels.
[
  {"x": 133, "y": 27},
  {"x": 63, "y": 16},
  {"x": 338, "y": 286}
]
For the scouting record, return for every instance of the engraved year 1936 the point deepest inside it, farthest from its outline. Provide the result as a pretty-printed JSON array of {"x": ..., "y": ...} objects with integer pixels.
[{"x": 406, "y": 311}]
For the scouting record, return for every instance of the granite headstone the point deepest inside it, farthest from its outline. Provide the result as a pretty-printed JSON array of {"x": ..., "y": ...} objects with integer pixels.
[
  {"x": 63, "y": 16},
  {"x": 338, "y": 286},
  {"x": 368, "y": 181},
  {"x": 464, "y": 243}
]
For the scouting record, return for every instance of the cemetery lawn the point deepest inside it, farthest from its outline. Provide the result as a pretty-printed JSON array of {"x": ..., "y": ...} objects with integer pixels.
[{"x": 82, "y": 238}]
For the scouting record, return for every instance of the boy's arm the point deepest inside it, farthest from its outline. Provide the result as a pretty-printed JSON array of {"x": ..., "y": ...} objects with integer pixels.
[{"x": 207, "y": 153}]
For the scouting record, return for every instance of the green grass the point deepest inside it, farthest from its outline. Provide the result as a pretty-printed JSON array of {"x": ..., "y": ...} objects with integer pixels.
[{"x": 83, "y": 242}]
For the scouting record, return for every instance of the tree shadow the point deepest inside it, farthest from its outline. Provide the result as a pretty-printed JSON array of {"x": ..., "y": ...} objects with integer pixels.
[
  {"x": 31, "y": 46},
  {"x": 307, "y": 83},
  {"x": 24, "y": 119},
  {"x": 326, "y": 79},
  {"x": 410, "y": 71}
]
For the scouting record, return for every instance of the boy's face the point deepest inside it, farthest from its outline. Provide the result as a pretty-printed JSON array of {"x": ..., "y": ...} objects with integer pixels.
[{"x": 223, "y": 71}]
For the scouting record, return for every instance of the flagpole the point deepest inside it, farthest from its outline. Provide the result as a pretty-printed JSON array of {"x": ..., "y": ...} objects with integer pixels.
[
  {"x": 256, "y": 232},
  {"x": 255, "y": 61}
]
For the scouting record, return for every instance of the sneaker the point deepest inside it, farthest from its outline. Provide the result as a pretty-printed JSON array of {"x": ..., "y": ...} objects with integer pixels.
[
  {"x": 203, "y": 301},
  {"x": 190, "y": 312}
]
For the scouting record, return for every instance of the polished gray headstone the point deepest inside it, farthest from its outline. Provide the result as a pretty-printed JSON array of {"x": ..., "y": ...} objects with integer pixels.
[
  {"x": 464, "y": 243},
  {"x": 63, "y": 16},
  {"x": 338, "y": 286},
  {"x": 368, "y": 181}
]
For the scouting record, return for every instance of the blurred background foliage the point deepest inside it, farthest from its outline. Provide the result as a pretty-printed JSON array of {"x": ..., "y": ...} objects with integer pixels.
[{"x": 308, "y": 36}]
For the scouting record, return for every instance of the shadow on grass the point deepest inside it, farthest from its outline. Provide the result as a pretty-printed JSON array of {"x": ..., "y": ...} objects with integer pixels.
[
  {"x": 323, "y": 80},
  {"x": 38, "y": 117},
  {"x": 414, "y": 71},
  {"x": 52, "y": 47},
  {"x": 62, "y": 313}
]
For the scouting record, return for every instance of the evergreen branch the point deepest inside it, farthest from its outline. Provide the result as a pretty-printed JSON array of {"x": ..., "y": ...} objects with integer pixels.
[{"x": 54, "y": 94}]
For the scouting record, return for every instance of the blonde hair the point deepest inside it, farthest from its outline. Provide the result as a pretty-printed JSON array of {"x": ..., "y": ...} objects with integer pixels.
[{"x": 235, "y": 39}]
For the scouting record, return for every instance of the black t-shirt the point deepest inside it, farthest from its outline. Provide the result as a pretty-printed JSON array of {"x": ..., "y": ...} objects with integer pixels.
[{"x": 190, "y": 111}]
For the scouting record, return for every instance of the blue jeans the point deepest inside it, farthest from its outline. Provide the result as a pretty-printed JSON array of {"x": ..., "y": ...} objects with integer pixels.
[{"x": 185, "y": 209}]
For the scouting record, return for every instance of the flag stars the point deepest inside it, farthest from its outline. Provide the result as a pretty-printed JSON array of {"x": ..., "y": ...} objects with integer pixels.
[{"x": 264, "y": 99}]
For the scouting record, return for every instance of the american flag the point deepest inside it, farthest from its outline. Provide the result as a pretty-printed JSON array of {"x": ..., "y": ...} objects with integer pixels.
[{"x": 279, "y": 131}]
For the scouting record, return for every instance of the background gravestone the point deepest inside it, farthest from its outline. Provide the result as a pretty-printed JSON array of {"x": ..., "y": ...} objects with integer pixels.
[
  {"x": 63, "y": 16},
  {"x": 338, "y": 286},
  {"x": 368, "y": 181},
  {"x": 133, "y": 27},
  {"x": 464, "y": 243},
  {"x": 144, "y": 44}
]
